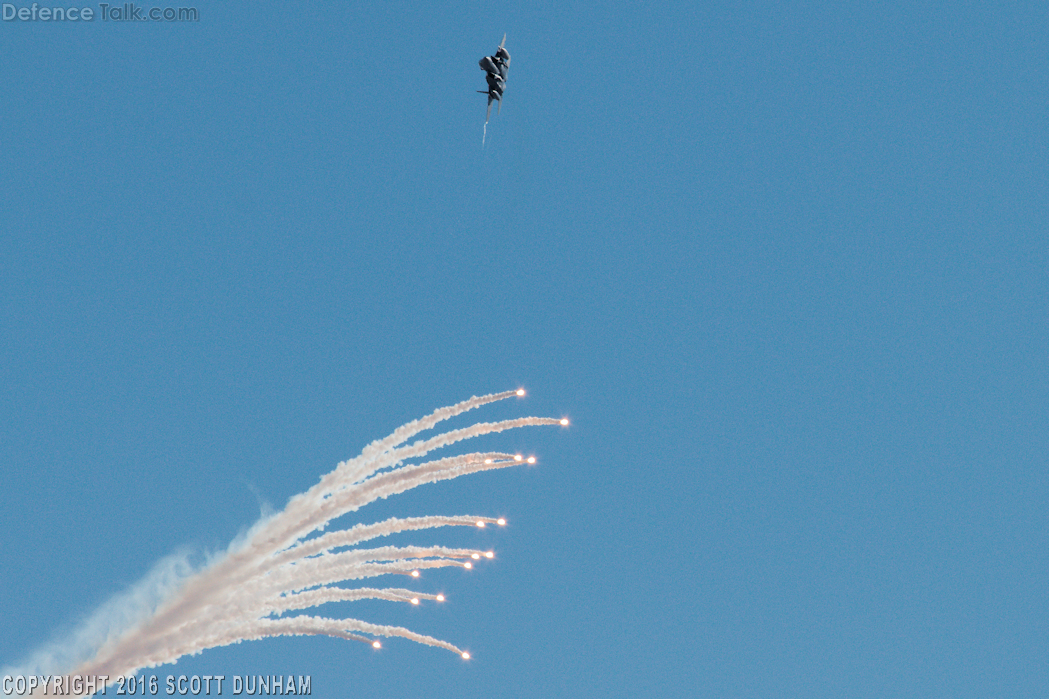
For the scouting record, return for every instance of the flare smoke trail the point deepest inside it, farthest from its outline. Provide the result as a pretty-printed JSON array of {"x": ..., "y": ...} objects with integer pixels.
[{"x": 276, "y": 568}]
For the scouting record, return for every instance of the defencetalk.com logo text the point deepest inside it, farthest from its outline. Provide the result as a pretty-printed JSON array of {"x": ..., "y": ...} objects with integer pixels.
[{"x": 127, "y": 12}]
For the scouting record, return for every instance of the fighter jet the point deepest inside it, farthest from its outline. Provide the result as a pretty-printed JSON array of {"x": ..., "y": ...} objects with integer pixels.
[{"x": 495, "y": 69}]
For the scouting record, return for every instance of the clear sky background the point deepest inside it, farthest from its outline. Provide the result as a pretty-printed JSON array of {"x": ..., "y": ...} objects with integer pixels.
[{"x": 784, "y": 265}]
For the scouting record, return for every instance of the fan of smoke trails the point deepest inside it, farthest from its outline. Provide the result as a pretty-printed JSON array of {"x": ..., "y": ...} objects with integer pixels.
[{"x": 275, "y": 569}]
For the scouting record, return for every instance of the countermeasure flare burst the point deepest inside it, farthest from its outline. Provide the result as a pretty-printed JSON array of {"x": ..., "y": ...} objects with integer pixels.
[{"x": 283, "y": 565}]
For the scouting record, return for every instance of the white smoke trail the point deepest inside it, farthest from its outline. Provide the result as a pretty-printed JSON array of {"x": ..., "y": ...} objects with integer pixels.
[{"x": 275, "y": 568}]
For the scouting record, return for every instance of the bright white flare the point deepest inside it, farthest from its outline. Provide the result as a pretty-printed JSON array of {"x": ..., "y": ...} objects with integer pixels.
[
  {"x": 284, "y": 566},
  {"x": 501, "y": 522},
  {"x": 531, "y": 459},
  {"x": 564, "y": 421},
  {"x": 520, "y": 391}
]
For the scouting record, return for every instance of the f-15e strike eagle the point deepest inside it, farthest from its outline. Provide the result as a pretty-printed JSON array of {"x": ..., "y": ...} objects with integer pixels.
[{"x": 495, "y": 69}]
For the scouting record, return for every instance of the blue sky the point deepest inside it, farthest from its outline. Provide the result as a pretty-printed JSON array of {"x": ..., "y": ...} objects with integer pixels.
[{"x": 783, "y": 264}]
